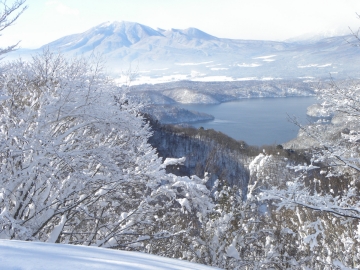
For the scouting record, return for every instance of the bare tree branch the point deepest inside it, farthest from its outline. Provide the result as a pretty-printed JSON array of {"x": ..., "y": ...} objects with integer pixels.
[{"x": 8, "y": 15}]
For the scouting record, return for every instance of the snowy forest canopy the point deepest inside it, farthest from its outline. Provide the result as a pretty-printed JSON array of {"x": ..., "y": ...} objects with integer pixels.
[{"x": 76, "y": 167}]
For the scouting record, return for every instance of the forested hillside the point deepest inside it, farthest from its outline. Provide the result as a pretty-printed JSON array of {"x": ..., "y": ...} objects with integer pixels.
[
  {"x": 213, "y": 152},
  {"x": 205, "y": 151}
]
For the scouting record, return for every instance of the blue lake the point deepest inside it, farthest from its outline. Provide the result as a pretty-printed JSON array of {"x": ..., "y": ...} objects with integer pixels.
[{"x": 256, "y": 121}]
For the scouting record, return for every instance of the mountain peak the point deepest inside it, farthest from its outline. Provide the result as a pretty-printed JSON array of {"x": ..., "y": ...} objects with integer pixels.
[
  {"x": 190, "y": 33},
  {"x": 106, "y": 37},
  {"x": 196, "y": 33},
  {"x": 116, "y": 23},
  {"x": 127, "y": 26},
  {"x": 316, "y": 36}
]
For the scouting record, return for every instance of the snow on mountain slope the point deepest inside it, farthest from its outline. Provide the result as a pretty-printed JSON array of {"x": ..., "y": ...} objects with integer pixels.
[
  {"x": 116, "y": 39},
  {"x": 319, "y": 35},
  {"x": 105, "y": 37},
  {"x": 183, "y": 35},
  {"x": 189, "y": 96},
  {"x": 166, "y": 114},
  {"x": 149, "y": 97},
  {"x": 192, "y": 32},
  {"x": 22, "y": 255}
]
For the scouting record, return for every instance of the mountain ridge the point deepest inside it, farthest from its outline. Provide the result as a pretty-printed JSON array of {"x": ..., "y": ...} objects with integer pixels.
[{"x": 193, "y": 54}]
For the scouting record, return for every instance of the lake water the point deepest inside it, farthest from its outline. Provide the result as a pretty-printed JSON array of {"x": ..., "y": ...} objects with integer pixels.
[{"x": 256, "y": 121}]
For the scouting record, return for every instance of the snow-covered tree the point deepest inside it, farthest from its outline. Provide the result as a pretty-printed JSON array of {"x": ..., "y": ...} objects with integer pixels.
[
  {"x": 325, "y": 195},
  {"x": 236, "y": 235},
  {"x": 75, "y": 165}
]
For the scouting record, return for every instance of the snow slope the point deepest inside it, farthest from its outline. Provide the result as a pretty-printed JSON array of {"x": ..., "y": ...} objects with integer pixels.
[
  {"x": 187, "y": 96},
  {"x": 22, "y": 255}
]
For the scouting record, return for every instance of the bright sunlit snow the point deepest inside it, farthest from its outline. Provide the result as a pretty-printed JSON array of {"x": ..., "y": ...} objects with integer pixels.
[{"x": 22, "y": 255}]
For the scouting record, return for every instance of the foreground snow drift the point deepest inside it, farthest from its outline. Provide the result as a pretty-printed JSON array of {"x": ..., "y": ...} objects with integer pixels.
[{"x": 22, "y": 255}]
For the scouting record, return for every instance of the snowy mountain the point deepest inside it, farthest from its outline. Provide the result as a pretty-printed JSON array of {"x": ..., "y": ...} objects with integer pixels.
[
  {"x": 191, "y": 54},
  {"x": 316, "y": 36},
  {"x": 105, "y": 37}
]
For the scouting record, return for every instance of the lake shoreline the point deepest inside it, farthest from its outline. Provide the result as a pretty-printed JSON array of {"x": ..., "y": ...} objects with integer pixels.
[{"x": 257, "y": 121}]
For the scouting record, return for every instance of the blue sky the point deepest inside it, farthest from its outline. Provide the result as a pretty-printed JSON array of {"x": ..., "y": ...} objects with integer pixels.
[{"x": 47, "y": 20}]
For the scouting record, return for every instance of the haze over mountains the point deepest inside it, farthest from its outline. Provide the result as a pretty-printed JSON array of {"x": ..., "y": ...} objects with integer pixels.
[{"x": 191, "y": 54}]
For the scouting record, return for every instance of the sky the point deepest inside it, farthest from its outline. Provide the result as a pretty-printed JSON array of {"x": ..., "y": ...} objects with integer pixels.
[{"x": 48, "y": 20}]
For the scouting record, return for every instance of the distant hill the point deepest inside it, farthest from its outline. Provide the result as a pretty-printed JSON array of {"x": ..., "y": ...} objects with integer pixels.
[{"x": 191, "y": 54}]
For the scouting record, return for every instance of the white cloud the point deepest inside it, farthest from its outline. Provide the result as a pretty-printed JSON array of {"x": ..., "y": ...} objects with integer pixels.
[
  {"x": 219, "y": 68},
  {"x": 265, "y": 57},
  {"x": 193, "y": 64},
  {"x": 314, "y": 65},
  {"x": 62, "y": 9},
  {"x": 248, "y": 65}
]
